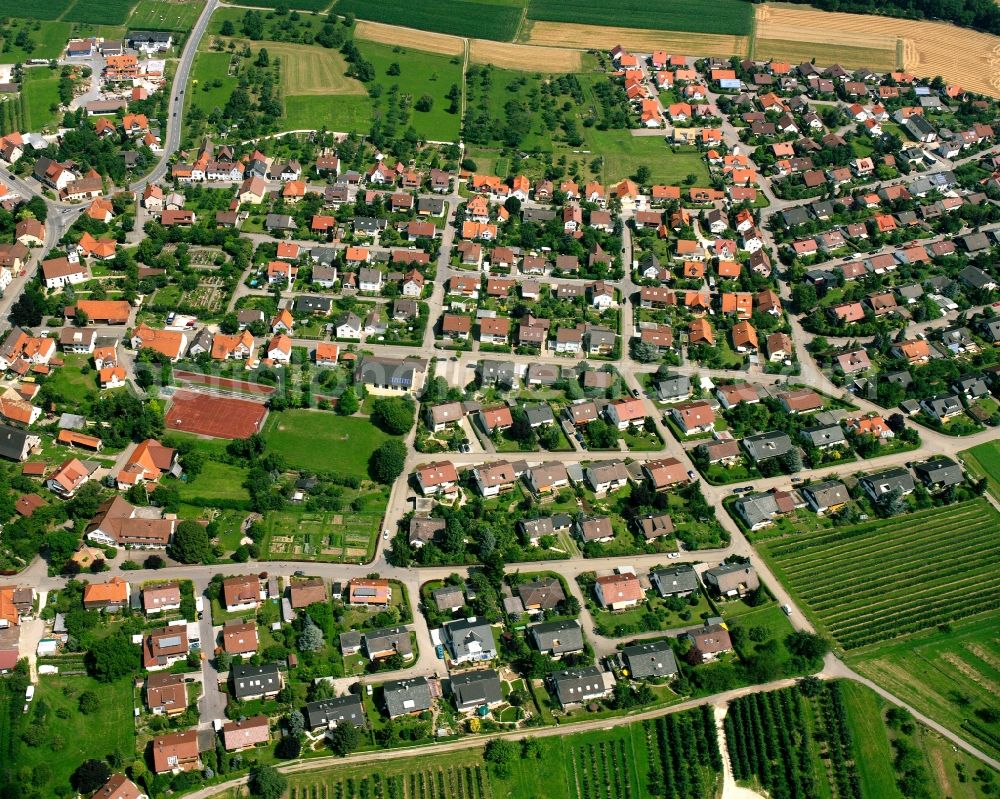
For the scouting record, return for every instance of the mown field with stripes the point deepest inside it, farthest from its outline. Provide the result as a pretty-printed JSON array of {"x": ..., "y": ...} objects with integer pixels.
[{"x": 891, "y": 577}]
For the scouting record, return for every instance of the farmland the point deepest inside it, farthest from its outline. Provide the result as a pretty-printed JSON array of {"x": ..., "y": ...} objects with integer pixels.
[
  {"x": 524, "y": 56},
  {"x": 396, "y": 35},
  {"x": 774, "y": 741},
  {"x": 600, "y": 37},
  {"x": 419, "y": 73},
  {"x": 959, "y": 55},
  {"x": 323, "y": 442},
  {"x": 698, "y": 16},
  {"x": 50, "y": 9},
  {"x": 301, "y": 5},
  {"x": 947, "y": 674},
  {"x": 481, "y": 20},
  {"x": 102, "y": 12},
  {"x": 48, "y": 41},
  {"x": 984, "y": 461},
  {"x": 890, "y": 579},
  {"x": 165, "y": 15}
]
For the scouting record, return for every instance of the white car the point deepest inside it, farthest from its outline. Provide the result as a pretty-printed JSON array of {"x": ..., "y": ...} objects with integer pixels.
[
  {"x": 673, "y": 555},
  {"x": 385, "y": 535}
]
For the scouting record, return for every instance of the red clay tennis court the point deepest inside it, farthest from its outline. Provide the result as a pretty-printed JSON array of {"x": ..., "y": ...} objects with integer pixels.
[{"x": 219, "y": 417}]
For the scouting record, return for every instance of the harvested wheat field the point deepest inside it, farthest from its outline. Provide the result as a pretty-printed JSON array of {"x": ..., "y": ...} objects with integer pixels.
[
  {"x": 959, "y": 55},
  {"x": 599, "y": 37},
  {"x": 525, "y": 56},
  {"x": 409, "y": 37}
]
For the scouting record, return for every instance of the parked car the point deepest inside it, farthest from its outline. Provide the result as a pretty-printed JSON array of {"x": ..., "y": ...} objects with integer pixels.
[{"x": 439, "y": 651}]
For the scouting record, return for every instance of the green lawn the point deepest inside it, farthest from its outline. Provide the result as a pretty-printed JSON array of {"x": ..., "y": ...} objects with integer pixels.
[
  {"x": 420, "y": 73},
  {"x": 71, "y": 384},
  {"x": 873, "y": 753},
  {"x": 984, "y": 461},
  {"x": 217, "y": 481},
  {"x": 623, "y": 153},
  {"x": 323, "y": 442},
  {"x": 71, "y": 737},
  {"x": 39, "y": 93}
]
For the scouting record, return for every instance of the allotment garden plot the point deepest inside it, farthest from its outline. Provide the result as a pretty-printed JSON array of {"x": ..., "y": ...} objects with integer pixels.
[
  {"x": 342, "y": 536},
  {"x": 887, "y": 578}
]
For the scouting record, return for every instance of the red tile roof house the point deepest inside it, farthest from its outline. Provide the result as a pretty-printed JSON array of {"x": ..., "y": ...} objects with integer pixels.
[
  {"x": 693, "y": 417},
  {"x": 665, "y": 473},
  {"x": 240, "y": 638},
  {"x": 369, "y": 592},
  {"x": 246, "y": 733},
  {"x": 303, "y": 593},
  {"x": 241, "y": 593},
  {"x": 166, "y": 694},
  {"x": 625, "y": 412},
  {"x": 176, "y": 752},
  {"x": 437, "y": 477},
  {"x": 165, "y": 646},
  {"x": 619, "y": 591}
]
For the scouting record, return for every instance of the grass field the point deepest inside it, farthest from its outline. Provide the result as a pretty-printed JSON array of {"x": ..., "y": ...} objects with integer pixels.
[
  {"x": 49, "y": 40},
  {"x": 984, "y": 461},
  {"x": 420, "y": 73},
  {"x": 623, "y": 153},
  {"x": 323, "y": 442},
  {"x": 733, "y": 17},
  {"x": 167, "y": 15},
  {"x": 216, "y": 481},
  {"x": 102, "y": 12},
  {"x": 873, "y": 751},
  {"x": 71, "y": 384},
  {"x": 890, "y": 578},
  {"x": 208, "y": 69},
  {"x": 71, "y": 738},
  {"x": 946, "y": 674},
  {"x": 496, "y": 20},
  {"x": 39, "y": 94},
  {"x": 344, "y": 114}
]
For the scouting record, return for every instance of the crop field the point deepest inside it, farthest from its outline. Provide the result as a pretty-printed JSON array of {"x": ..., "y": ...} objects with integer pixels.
[
  {"x": 396, "y": 35},
  {"x": 50, "y": 9},
  {"x": 100, "y": 12},
  {"x": 323, "y": 442},
  {"x": 604, "y": 37},
  {"x": 462, "y": 775},
  {"x": 481, "y": 20},
  {"x": 300, "y": 5},
  {"x": 420, "y": 73},
  {"x": 326, "y": 536},
  {"x": 524, "y": 56},
  {"x": 684, "y": 756},
  {"x": 733, "y": 17},
  {"x": 984, "y": 461},
  {"x": 168, "y": 15},
  {"x": 947, "y": 674},
  {"x": 883, "y": 579},
  {"x": 959, "y": 55},
  {"x": 780, "y": 740}
]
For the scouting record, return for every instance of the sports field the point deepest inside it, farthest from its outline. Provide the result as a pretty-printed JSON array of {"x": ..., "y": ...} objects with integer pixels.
[
  {"x": 946, "y": 674},
  {"x": 218, "y": 417},
  {"x": 883, "y": 579},
  {"x": 497, "y": 20},
  {"x": 733, "y": 17},
  {"x": 984, "y": 461},
  {"x": 323, "y": 442}
]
